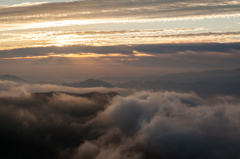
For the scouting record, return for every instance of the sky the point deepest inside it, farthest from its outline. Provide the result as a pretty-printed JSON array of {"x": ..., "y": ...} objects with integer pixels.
[
  {"x": 95, "y": 38},
  {"x": 13, "y": 2}
]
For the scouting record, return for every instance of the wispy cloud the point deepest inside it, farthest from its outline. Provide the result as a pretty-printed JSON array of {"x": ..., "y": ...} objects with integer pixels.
[
  {"x": 25, "y": 4},
  {"x": 99, "y": 11},
  {"x": 108, "y": 38}
]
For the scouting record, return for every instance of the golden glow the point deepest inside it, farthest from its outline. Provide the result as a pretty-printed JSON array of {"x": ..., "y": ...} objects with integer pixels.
[
  {"x": 136, "y": 53},
  {"x": 80, "y": 55},
  {"x": 121, "y": 59},
  {"x": 110, "y": 38}
]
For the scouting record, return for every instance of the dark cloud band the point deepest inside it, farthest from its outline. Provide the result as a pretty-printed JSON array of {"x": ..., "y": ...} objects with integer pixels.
[{"x": 124, "y": 49}]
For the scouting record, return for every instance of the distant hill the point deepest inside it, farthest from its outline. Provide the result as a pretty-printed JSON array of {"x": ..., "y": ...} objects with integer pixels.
[
  {"x": 219, "y": 76},
  {"x": 202, "y": 88},
  {"x": 205, "y": 84},
  {"x": 215, "y": 76},
  {"x": 89, "y": 83},
  {"x": 12, "y": 78},
  {"x": 130, "y": 78}
]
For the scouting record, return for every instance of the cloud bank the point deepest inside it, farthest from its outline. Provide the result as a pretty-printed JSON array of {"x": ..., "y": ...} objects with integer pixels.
[
  {"x": 123, "y": 49},
  {"x": 11, "y": 89},
  {"x": 165, "y": 125},
  {"x": 194, "y": 55}
]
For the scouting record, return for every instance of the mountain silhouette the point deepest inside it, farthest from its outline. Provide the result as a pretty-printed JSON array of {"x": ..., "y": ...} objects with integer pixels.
[
  {"x": 214, "y": 76},
  {"x": 12, "y": 78},
  {"x": 219, "y": 76},
  {"x": 89, "y": 83}
]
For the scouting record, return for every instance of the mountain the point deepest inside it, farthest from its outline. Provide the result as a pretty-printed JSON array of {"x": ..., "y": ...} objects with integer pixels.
[
  {"x": 130, "y": 78},
  {"x": 12, "y": 78},
  {"x": 89, "y": 83},
  {"x": 202, "y": 88},
  {"x": 214, "y": 76},
  {"x": 219, "y": 76}
]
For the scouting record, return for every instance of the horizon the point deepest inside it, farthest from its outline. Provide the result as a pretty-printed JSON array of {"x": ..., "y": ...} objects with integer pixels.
[{"x": 73, "y": 79}]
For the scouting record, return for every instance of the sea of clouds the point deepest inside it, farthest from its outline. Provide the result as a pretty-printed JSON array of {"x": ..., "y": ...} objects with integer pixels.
[{"x": 136, "y": 125}]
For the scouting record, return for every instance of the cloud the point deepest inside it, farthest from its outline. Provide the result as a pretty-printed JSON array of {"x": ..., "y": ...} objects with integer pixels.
[
  {"x": 122, "y": 49},
  {"x": 141, "y": 125},
  {"x": 160, "y": 125},
  {"x": 23, "y": 4},
  {"x": 8, "y": 88},
  {"x": 209, "y": 55},
  {"x": 95, "y": 11},
  {"x": 111, "y": 38}
]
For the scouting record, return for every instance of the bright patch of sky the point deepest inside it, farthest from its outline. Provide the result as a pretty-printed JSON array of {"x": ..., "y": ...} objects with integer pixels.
[
  {"x": 215, "y": 24},
  {"x": 12, "y": 2}
]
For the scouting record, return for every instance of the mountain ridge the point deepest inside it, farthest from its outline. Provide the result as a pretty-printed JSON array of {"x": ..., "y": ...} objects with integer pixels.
[
  {"x": 12, "y": 78},
  {"x": 89, "y": 83}
]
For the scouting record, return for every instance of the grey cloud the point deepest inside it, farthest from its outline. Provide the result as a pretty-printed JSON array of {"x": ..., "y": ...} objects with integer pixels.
[
  {"x": 11, "y": 89},
  {"x": 167, "y": 128},
  {"x": 171, "y": 48},
  {"x": 8, "y": 88},
  {"x": 124, "y": 49},
  {"x": 71, "y": 49},
  {"x": 208, "y": 55},
  {"x": 50, "y": 122}
]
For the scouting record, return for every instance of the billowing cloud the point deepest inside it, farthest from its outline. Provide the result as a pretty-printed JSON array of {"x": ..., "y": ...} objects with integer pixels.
[
  {"x": 141, "y": 125},
  {"x": 164, "y": 125}
]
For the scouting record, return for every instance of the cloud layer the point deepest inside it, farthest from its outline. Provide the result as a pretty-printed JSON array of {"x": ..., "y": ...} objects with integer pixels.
[
  {"x": 142, "y": 125},
  {"x": 11, "y": 89},
  {"x": 152, "y": 56}
]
